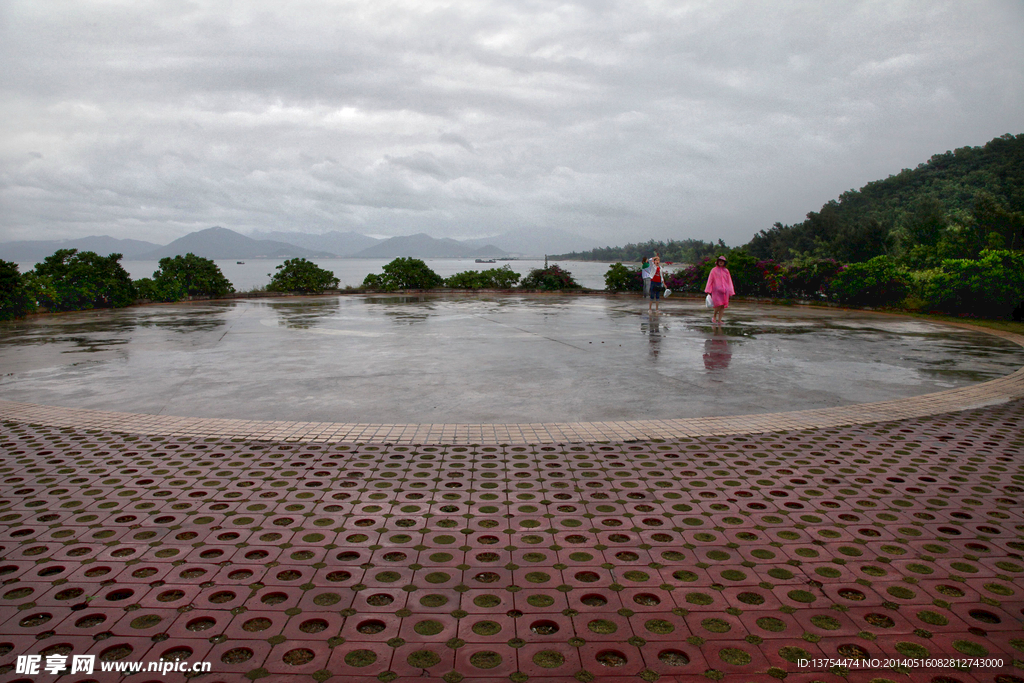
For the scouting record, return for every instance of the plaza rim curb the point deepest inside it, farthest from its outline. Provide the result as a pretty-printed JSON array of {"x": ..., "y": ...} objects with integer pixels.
[{"x": 993, "y": 392}]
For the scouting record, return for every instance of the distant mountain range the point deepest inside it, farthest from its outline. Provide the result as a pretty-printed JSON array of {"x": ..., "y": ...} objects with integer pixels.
[
  {"x": 425, "y": 246},
  {"x": 340, "y": 243},
  {"x": 33, "y": 251},
  {"x": 221, "y": 243}
]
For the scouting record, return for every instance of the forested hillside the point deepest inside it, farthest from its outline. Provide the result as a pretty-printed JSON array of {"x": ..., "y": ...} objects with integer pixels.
[
  {"x": 677, "y": 251},
  {"x": 952, "y": 206}
]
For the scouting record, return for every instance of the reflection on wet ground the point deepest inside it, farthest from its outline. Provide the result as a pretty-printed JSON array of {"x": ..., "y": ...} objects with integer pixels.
[{"x": 430, "y": 358}]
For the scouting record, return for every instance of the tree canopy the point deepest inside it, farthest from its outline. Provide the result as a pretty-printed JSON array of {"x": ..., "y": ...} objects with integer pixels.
[
  {"x": 70, "y": 280},
  {"x": 678, "y": 251},
  {"x": 300, "y": 275},
  {"x": 404, "y": 273},
  {"x": 184, "y": 276}
]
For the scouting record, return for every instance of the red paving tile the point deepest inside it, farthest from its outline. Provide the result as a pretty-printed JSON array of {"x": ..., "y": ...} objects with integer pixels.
[{"x": 732, "y": 554}]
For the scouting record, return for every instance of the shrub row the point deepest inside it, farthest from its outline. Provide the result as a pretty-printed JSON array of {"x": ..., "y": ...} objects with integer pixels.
[
  {"x": 72, "y": 280},
  {"x": 411, "y": 273},
  {"x": 991, "y": 286}
]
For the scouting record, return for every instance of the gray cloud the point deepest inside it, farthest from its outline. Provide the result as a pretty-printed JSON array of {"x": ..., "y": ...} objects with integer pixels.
[{"x": 619, "y": 120}]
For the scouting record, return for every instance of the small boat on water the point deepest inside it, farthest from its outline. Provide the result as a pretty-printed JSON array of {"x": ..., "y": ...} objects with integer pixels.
[
  {"x": 241, "y": 263},
  {"x": 480, "y": 260}
]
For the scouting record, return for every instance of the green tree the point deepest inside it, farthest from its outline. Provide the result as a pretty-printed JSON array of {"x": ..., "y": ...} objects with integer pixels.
[
  {"x": 678, "y": 251},
  {"x": 990, "y": 287},
  {"x": 549, "y": 279},
  {"x": 619, "y": 278},
  {"x": 184, "y": 276},
  {"x": 16, "y": 293},
  {"x": 71, "y": 280},
  {"x": 861, "y": 241},
  {"x": 404, "y": 273},
  {"x": 300, "y": 275},
  {"x": 993, "y": 215},
  {"x": 924, "y": 225},
  {"x": 878, "y": 282}
]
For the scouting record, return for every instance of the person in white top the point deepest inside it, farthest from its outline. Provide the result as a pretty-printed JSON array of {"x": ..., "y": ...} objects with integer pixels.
[{"x": 657, "y": 284}]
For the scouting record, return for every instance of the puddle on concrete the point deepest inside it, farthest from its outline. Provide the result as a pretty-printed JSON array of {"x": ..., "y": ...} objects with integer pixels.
[{"x": 420, "y": 358}]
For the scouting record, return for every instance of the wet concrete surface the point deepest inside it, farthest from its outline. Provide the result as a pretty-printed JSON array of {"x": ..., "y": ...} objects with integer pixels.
[{"x": 482, "y": 359}]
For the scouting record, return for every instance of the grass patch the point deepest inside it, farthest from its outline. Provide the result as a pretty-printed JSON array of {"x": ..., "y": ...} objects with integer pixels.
[
  {"x": 659, "y": 626},
  {"x": 548, "y": 659},
  {"x": 423, "y": 659},
  {"x": 912, "y": 650},
  {"x": 428, "y": 627},
  {"x": 435, "y": 600},
  {"x": 734, "y": 656},
  {"x": 716, "y": 625},
  {"x": 360, "y": 658},
  {"x": 969, "y": 648},
  {"x": 772, "y": 624},
  {"x": 486, "y": 628},
  {"x": 794, "y": 654},
  {"x": 932, "y": 618},
  {"x": 485, "y": 659}
]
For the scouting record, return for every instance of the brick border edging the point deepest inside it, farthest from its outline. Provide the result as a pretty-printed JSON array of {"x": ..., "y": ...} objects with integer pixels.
[{"x": 993, "y": 392}]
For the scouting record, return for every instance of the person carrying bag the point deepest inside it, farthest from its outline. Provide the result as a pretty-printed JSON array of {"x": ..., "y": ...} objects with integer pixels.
[{"x": 657, "y": 283}]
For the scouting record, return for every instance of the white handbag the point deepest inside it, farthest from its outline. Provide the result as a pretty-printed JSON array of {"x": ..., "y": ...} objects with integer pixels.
[
  {"x": 707, "y": 302},
  {"x": 668, "y": 292}
]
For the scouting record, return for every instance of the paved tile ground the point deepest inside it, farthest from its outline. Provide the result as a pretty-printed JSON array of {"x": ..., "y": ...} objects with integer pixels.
[{"x": 691, "y": 558}]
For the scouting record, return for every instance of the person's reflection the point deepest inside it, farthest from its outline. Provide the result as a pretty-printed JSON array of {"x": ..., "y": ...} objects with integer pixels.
[
  {"x": 652, "y": 328},
  {"x": 716, "y": 351}
]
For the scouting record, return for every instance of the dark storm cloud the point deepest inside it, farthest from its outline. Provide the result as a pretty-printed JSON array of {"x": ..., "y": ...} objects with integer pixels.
[{"x": 620, "y": 120}]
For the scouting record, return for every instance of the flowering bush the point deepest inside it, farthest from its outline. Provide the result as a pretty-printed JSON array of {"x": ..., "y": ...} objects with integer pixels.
[
  {"x": 772, "y": 281},
  {"x": 810, "y": 279},
  {"x": 690, "y": 279}
]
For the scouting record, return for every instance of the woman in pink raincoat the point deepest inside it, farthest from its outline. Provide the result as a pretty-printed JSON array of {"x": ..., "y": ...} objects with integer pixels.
[{"x": 720, "y": 288}]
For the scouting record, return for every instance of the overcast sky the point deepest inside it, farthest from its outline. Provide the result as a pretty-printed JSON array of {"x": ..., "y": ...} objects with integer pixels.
[{"x": 621, "y": 121}]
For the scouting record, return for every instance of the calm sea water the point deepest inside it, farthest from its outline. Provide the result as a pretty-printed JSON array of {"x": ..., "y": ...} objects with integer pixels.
[{"x": 351, "y": 272}]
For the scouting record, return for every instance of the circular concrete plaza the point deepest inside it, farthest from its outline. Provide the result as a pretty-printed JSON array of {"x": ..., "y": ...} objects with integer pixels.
[
  {"x": 878, "y": 541},
  {"x": 487, "y": 360}
]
